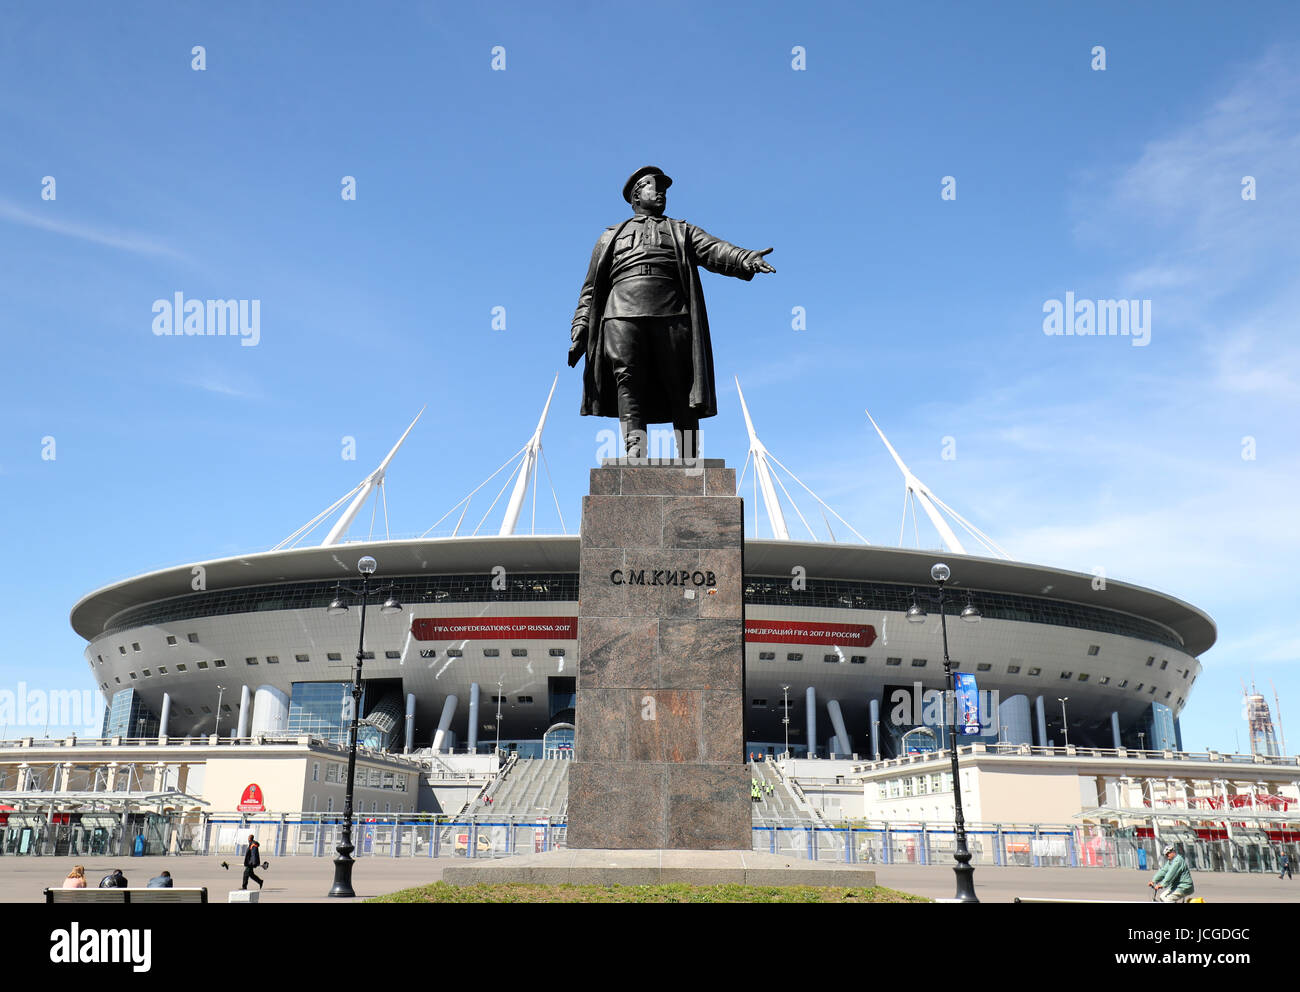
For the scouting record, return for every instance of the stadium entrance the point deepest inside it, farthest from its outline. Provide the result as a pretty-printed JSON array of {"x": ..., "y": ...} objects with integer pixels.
[{"x": 557, "y": 742}]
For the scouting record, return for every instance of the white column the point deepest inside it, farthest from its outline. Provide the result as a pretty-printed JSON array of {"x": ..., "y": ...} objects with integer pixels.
[
  {"x": 444, "y": 722},
  {"x": 410, "y": 722},
  {"x": 471, "y": 739},
  {"x": 270, "y": 711},
  {"x": 166, "y": 716},
  {"x": 245, "y": 711},
  {"x": 844, "y": 748},
  {"x": 810, "y": 708}
]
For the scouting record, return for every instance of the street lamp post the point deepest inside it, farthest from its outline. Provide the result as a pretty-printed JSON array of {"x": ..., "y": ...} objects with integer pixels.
[
  {"x": 940, "y": 573},
  {"x": 221, "y": 691},
  {"x": 344, "y": 861},
  {"x": 785, "y": 717},
  {"x": 500, "y": 684},
  {"x": 1065, "y": 727}
]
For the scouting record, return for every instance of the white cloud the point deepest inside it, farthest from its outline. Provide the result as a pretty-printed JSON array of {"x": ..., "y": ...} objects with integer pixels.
[
  {"x": 213, "y": 384},
  {"x": 131, "y": 241},
  {"x": 1267, "y": 645}
]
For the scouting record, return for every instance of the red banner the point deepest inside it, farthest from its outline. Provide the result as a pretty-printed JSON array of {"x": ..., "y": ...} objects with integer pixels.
[
  {"x": 566, "y": 628},
  {"x": 847, "y": 635},
  {"x": 495, "y": 629},
  {"x": 252, "y": 800}
]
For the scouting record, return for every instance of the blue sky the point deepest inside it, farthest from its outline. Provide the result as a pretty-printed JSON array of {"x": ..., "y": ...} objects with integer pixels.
[{"x": 479, "y": 189}]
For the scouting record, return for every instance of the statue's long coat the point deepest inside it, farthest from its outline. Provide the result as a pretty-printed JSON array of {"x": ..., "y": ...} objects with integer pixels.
[{"x": 694, "y": 247}]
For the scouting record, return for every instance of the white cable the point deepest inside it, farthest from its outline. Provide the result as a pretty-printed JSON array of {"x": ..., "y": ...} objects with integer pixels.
[
  {"x": 817, "y": 498},
  {"x": 509, "y": 479},
  {"x": 532, "y": 527},
  {"x": 792, "y": 503},
  {"x": 554, "y": 495},
  {"x": 470, "y": 495},
  {"x": 902, "y": 524},
  {"x": 383, "y": 491},
  {"x": 740, "y": 483},
  {"x": 316, "y": 521}
]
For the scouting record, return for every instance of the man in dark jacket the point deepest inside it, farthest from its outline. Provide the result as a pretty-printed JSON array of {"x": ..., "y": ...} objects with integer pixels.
[
  {"x": 641, "y": 322},
  {"x": 114, "y": 881},
  {"x": 252, "y": 859}
]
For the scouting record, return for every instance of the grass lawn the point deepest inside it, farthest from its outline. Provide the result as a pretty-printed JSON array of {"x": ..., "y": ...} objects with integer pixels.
[{"x": 441, "y": 892}]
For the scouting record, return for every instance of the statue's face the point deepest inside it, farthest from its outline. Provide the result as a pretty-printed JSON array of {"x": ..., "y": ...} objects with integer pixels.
[{"x": 649, "y": 198}]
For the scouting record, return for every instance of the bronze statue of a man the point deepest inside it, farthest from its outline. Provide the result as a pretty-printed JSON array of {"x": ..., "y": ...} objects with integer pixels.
[{"x": 641, "y": 320}]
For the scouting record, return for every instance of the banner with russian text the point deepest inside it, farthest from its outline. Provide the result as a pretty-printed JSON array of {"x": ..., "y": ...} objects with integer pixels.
[
  {"x": 855, "y": 635},
  {"x": 495, "y": 629}
]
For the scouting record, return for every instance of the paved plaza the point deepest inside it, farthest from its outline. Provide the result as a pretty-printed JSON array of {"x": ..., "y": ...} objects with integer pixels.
[{"x": 309, "y": 879}]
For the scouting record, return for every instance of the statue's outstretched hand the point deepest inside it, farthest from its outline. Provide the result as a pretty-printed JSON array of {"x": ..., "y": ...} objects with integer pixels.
[{"x": 756, "y": 262}]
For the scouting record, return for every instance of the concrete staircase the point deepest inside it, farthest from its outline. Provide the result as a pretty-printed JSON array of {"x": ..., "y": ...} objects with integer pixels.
[
  {"x": 784, "y": 807},
  {"x": 533, "y": 788}
]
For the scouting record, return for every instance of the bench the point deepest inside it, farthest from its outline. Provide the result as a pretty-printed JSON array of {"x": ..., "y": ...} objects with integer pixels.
[
  {"x": 129, "y": 895},
  {"x": 1103, "y": 902}
]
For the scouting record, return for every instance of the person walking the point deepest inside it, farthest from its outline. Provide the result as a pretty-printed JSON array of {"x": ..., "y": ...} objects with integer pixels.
[
  {"x": 76, "y": 878},
  {"x": 1286, "y": 866},
  {"x": 252, "y": 860},
  {"x": 1174, "y": 877}
]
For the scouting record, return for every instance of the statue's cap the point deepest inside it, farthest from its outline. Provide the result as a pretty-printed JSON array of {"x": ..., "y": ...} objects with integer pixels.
[{"x": 646, "y": 170}]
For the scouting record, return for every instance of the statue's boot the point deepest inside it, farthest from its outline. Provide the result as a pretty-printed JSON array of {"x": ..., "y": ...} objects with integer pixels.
[
  {"x": 634, "y": 437},
  {"x": 687, "y": 434}
]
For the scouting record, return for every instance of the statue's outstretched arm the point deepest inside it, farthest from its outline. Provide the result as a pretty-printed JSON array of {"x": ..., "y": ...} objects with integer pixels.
[{"x": 725, "y": 258}]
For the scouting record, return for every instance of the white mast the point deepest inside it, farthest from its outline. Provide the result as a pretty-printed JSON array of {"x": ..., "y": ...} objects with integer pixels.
[
  {"x": 922, "y": 493},
  {"x": 375, "y": 478},
  {"x": 526, "y": 470},
  {"x": 763, "y": 474}
]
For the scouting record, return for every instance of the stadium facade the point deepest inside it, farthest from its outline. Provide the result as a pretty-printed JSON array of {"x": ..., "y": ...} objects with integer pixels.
[{"x": 245, "y": 645}]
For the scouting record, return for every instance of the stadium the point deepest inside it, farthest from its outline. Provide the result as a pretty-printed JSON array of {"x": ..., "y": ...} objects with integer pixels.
[{"x": 483, "y": 649}]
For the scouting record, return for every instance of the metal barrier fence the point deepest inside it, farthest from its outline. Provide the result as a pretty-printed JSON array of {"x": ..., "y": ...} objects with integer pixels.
[
  {"x": 921, "y": 844},
  {"x": 1036, "y": 846},
  {"x": 429, "y": 836},
  {"x": 387, "y": 837}
]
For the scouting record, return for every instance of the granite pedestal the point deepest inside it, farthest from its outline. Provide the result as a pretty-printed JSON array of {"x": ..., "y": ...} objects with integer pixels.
[
  {"x": 591, "y": 867},
  {"x": 659, "y": 747}
]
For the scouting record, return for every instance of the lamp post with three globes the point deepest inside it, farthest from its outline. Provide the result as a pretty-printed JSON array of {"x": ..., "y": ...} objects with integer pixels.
[
  {"x": 940, "y": 573},
  {"x": 344, "y": 861}
]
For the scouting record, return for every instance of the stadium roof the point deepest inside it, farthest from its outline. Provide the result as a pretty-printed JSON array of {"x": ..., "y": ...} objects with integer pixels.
[{"x": 560, "y": 553}]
